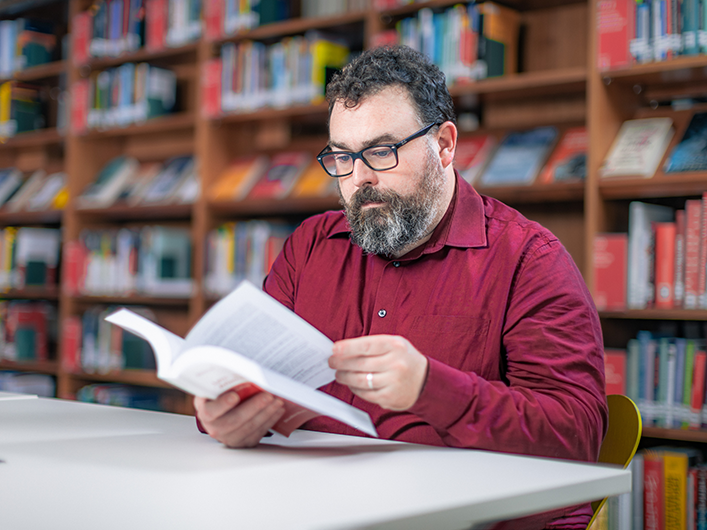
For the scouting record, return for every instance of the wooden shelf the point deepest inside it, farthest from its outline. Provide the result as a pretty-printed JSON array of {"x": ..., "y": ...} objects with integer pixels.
[
  {"x": 267, "y": 113},
  {"x": 536, "y": 193},
  {"x": 656, "y": 314},
  {"x": 42, "y": 217},
  {"x": 48, "y": 292},
  {"x": 43, "y": 367},
  {"x": 661, "y": 185},
  {"x": 678, "y": 70},
  {"x": 128, "y": 213},
  {"x": 127, "y": 377},
  {"x": 133, "y": 299},
  {"x": 296, "y": 26},
  {"x": 547, "y": 83},
  {"x": 684, "y": 435},
  {"x": 36, "y": 138},
  {"x": 39, "y": 72},
  {"x": 161, "y": 124},
  {"x": 265, "y": 207},
  {"x": 184, "y": 53}
]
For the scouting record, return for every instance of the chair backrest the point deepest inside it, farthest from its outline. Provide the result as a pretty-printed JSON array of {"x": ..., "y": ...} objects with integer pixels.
[{"x": 622, "y": 437}]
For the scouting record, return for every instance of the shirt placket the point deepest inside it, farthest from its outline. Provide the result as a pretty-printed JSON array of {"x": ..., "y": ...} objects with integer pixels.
[{"x": 385, "y": 315}]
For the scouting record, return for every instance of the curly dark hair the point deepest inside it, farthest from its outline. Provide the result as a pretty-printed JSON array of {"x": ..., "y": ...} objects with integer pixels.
[{"x": 380, "y": 68}]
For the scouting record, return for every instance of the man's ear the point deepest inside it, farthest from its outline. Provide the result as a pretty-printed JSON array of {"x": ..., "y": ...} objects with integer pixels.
[{"x": 447, "y": 141}]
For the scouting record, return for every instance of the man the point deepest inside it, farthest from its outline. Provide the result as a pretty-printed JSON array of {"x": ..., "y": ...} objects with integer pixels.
[{"x": 456, "y": 320}]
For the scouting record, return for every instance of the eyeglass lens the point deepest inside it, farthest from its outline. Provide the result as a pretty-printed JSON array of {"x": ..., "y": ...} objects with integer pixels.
[{"x": 377, "y": 157}]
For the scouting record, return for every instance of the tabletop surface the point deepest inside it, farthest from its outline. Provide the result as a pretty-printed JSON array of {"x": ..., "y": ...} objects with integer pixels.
[{"x": 76, "y": 465}]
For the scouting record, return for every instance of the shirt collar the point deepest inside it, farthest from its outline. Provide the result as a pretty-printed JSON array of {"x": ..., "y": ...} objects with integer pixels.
[{"x": 463, "y": 225}]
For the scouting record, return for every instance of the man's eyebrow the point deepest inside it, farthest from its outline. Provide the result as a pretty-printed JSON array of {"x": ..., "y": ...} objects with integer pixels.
[{"x": 381, "y": 139}]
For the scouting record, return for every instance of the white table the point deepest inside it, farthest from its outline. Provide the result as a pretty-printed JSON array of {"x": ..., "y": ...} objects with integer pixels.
[{"x": 73, "y": 465}]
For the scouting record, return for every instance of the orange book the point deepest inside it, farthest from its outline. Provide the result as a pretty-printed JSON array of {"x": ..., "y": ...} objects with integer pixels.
[
  {"x": 664, "y": 264},
  {"x": 238, "y": 178},
  {"x": 279, "y": 179},
  {"x": 314, "y": 182},
  {"x": 569, "y": 159}
]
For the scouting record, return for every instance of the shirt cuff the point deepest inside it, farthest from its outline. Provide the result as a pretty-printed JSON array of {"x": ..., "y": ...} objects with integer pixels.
[{"x": 446, "y": 395}]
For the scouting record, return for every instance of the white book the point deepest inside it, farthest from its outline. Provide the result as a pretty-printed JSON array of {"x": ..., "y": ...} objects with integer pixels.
[
  {"x": 638, "y": 148},
  {"x": 249, "y": 341},
  {"x": 640, "y": 254}
]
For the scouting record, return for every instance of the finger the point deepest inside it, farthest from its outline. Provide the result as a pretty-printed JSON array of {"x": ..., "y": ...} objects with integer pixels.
[
  {"x": 370, "y": 345},
  {"x": 246, "y": 424},
  {"x": 211, "y": 409},
  {"x": 250, "y": 434},
  {"x": 363, "y": 381},
  {"x": 365, "y": 363}
]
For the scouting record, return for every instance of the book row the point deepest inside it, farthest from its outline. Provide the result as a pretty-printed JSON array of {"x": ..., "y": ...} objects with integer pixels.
[
  {"x": 239, "y": 251},
  {"x": 113, "y": 27},
  {"x": 25, "y": 43},
  {"x": 152, "y": 260},
  {"x": 661, "y": 262},
  {"x": 120, "y": 96},
  {"x": 29, "y": 256},
  {"x": 250, "y": 75},
  {"x": 31, "y": 192},
  {"x": 41, "y": 385},
  {"x": 630, "y": 32},
  {"x": 542, "y": 154},
  {"x": 467, "y": 42},
  {"x": 669, "y": 491},
  {"x": 22, "y": 108},
  {"x": 28, "y": 330},
  {"x": 124, "y": 180},
  {"x": 119, "y": 395}
]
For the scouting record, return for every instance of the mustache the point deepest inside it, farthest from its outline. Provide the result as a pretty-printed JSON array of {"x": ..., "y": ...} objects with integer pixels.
[{"x": 368, "y": 194}]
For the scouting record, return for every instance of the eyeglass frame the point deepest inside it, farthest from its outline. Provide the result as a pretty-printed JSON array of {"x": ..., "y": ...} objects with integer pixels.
[{"x": 359, "y": 154}]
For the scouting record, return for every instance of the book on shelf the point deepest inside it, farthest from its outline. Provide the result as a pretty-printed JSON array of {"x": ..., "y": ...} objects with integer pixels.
[
  {"x": 211, "y": 88},
  {"x": 473, "y": 154},
  {"x": 498, "y": 45},
  {"x": 653, "y": 490},
  {"x": 11, "y": 179},
  {"x": 121, "y": 395},
  {"x": 664, "y": 264},
  {"x": 41, "y": 385},
  {"x": 641, "y": 288},
  {"x": 277, "y": 352},
  {"x": 165, "y": 261},
  {"x": 314, "y": 182},
  {"x": 281, "y": 175},
  {"x": 28, "y": 189},
  {"x": 165, "y": 184},
  {"x": 693, "y": 243},
  {"x": 615, "y": 370},
  {"x": 26, "y": 330},
  {"x": 134, "y": 189},
  {"x": 568, "y": 160},
  {"x": 519, "y": 157},
  {"x": 609, "y": 261},
  {"x": 690, "y": 154},
  {"x": 53, "y": 195},
  {"x": 156, "y": 21},
  {"x": 679, "y": 279},
  {"x": 638, "y": 148},
  {"x": 36, "y": 256},
  {"x": 110, "y": 181},
  {"x": 20, "y": 108},
  {"x": 615, "y": 29},
  {"x": 238, "y": 178}
]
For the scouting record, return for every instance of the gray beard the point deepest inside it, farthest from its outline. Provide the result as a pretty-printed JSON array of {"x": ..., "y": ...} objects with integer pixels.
[{"x": 402, "y": 220}]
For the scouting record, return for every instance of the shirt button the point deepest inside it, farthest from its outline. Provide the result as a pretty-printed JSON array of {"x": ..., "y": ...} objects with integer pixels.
[
  {"x": 396, "y": 264},
  {"x": 382, "y": 313}
]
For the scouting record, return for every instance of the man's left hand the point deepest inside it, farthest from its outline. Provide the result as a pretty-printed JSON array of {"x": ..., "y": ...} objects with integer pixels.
[{"x": 383, "y": 369}]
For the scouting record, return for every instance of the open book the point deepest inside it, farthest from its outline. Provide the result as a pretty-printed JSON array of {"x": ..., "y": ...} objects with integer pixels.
[{"x": 277, "y": 351}]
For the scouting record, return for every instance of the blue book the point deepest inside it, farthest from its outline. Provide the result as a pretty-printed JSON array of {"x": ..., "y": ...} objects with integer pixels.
[
  {"x": 690, "y": 154},
  {"x": 520, "y": 157}
]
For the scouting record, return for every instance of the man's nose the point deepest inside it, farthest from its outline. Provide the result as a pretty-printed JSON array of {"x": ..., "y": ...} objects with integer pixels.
[{"x": 363, "y": 175}]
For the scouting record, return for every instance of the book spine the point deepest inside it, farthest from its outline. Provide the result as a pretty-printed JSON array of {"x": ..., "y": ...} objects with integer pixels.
[
  {"x": 665, "y": 234},
  {"x": 702, "y": 263},
  {"x": 653, "y": 492},
  {"x": 698, "y": 389},
  {"x": 675, "y": 488},
  {"x": 693, "y": 221},
  {"x": 679, "y": 281}
]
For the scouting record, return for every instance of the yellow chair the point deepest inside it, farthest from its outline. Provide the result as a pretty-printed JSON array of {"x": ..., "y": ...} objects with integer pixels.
[{"x": 622, "y": 437}]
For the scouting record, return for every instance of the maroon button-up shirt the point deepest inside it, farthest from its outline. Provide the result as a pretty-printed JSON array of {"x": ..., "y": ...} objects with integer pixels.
[{"x": 496, "y": 304}]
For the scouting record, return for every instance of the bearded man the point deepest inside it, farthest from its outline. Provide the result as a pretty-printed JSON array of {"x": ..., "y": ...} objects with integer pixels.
[{"x": 456, "y": 321}]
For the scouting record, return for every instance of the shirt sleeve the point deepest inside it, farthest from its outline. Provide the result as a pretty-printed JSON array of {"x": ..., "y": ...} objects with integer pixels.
[{"x": 552, "y": 401}]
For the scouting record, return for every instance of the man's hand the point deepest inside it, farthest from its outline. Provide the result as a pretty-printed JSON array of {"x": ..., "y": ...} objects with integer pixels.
[
  {"x": 237, "y": 423},
  {"x": 397, "y": 370}
]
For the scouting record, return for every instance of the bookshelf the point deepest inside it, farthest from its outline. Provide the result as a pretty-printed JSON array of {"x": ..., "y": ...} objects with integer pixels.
[{"x": 558, "y": 84}]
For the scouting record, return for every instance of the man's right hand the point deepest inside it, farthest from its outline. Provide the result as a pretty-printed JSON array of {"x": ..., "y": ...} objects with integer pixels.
[{"x": 237, "y": 423}]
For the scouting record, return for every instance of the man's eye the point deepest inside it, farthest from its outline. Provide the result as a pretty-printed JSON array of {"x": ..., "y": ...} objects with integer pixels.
[
  {"x": 342, "y": 159},
  {"x": 380, "y": 153}
]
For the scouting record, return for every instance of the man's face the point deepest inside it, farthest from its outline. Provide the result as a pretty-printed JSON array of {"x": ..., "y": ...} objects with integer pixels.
[{"x": 388, "y": 211}]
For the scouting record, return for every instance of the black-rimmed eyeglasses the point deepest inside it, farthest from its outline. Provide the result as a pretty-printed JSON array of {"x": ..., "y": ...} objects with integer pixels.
[{"x": 377, "y": 157}]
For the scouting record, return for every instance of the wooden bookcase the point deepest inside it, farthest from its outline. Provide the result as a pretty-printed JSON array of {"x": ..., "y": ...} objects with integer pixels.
[{"x": 558, "y": 84}]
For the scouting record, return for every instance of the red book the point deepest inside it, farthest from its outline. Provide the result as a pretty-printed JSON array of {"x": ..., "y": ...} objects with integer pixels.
[
  {"x": 615, "y": 28},
  {"x": 702, "y": 263},
  {"x": 653, "y": 493},
  {"x": 278, "y": 180},
  {"x": 81, "y": 33},
  {"x": 156, "y": 24},
  {"x": 568, "y": 160},
  {"x": 698, "y": 387},
  {"x": 664, "y": 264},
  {"x": 615, "y": 370},
  {"x": 472, "y": 154},
  {"x": 74, "y": 260},
  {"x": 211, "y": 88},
  {"x": 79, "y": 106},
  {"x": 679, "y": 290},
  {"x": 27, "y": 330},
  {"x": 610, "y": 255},
  {"x": 71, "y": 344},
  {"x": 693, "y": 224},
  {"x": 213, "y": 19}
]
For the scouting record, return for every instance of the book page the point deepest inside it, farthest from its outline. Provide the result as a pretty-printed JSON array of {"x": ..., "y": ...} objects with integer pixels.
[
  {"x": 166, "y": 345},
  {"x": 256, "y": 326}
]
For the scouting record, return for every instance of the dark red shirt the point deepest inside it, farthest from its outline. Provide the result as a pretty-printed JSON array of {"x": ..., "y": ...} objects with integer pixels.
[{"x": 496, "y": 304}]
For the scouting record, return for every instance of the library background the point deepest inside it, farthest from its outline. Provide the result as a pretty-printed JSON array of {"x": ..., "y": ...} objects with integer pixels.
[{"x": 153, "y": 153}]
